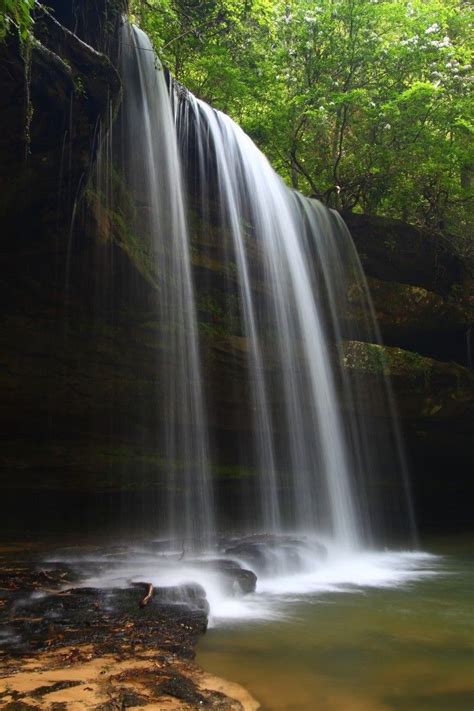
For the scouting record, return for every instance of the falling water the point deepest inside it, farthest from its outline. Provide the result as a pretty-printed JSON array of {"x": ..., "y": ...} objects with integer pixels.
[
  {"x": 152, "y": 170},
  {"x": 317, "y": 462}
]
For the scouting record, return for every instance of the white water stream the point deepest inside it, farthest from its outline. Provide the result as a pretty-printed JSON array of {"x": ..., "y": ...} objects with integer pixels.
[{"x": 286, "y": 580}]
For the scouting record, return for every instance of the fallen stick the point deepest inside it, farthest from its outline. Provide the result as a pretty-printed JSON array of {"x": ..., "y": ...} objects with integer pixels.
[{"x": 148, "y": 595}]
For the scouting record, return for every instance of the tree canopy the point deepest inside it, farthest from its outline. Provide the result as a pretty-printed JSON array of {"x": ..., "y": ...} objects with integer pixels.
[
  {"x": 365, "y": 104},
  {"x": 15, "y": 14}
]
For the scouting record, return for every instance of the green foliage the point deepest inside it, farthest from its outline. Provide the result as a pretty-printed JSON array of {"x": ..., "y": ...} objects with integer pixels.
[
  {"x": 15, "y": 14},
  {"x": 365, "y": 104}
]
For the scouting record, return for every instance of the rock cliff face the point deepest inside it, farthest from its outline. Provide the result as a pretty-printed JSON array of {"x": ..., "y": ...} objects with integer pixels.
[
  {"x": 55, "y": 89},
  {"x": 55, "y": 92},
  {"x": 422, "y": 291},
  {"x": 396, "y": 252},
  {"x": 421, "y": 287},
  {"x": 79, "y": 340}
]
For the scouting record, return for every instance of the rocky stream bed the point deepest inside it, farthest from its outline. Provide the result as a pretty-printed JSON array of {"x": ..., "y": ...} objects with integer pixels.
[{"x": 64, "y": 646}]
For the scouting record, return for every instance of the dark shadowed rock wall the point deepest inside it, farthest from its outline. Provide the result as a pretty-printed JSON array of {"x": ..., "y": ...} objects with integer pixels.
[{"x": 423, "y": 295}]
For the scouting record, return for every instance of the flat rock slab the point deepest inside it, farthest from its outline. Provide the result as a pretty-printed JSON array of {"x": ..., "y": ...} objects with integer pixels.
[
  {"x": 113, "y": 620},
  {"x": 73, "y": 678},
  {"x": 63, "y": 649}
]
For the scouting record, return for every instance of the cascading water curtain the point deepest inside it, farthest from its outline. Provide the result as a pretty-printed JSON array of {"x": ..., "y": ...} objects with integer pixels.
[
  {"x": 151, "y": 166},
  {"x": 318, "y": 463},
  {"x": 319, "y": 466}
]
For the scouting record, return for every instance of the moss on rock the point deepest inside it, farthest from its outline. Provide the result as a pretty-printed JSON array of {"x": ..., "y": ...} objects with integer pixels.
[{"x": 423, "y": 387}]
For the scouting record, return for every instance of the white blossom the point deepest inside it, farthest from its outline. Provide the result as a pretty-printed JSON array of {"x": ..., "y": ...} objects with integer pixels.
[{"x": 445, "y": 42}]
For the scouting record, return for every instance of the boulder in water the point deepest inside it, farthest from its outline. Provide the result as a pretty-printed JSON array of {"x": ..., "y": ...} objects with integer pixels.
[
  {"x": 236, "y": 580},
  {"x": 273, "y": 554}
]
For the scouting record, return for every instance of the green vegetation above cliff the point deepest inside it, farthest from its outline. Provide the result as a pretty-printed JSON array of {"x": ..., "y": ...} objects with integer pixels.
[
  {"x": 15, "y": 14},
  {"x": 363, "y": 103}
]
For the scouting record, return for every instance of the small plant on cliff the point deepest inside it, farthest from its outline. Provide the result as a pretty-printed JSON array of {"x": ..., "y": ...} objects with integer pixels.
[{"x": 16, "y": 15}]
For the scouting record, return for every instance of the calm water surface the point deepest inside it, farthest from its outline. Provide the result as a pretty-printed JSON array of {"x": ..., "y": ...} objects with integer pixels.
[{"x": 408, "y": 648}]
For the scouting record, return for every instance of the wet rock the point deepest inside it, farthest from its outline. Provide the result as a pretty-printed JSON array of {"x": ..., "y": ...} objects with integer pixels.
[
  {"x": 191, "y": 595},
  {"x": 114, "y": 602},
  {"x": 397, "y": 252},
  {"x": 269, "y": 554},
  {"x": 436, "y": 403},
  {"x": 425, "y": 388},
  {"x": 236, "y": 580},
  {"x": 71, "y": 573},
  {"x": 126, "y": 698},
  {"x": 180, "y": 687},
  {"x": 51, "y": 688},
  {"x": 110, "y": 618},
  {"x": 162, "y": 546},
  {"x": 56, "y": 573},
  {"x": 64, "y": 72},
  {"x": 239, "y": 581},
  {"x": 414, "y": 318}
]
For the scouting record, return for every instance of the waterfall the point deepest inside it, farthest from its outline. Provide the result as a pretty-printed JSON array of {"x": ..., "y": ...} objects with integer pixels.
[
  {"x": 294, "y": 267},
  {"x": 151, "y": 165}
]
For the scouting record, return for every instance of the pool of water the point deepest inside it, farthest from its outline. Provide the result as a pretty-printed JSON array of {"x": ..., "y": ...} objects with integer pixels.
[{"x": 400, "y": 643}]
